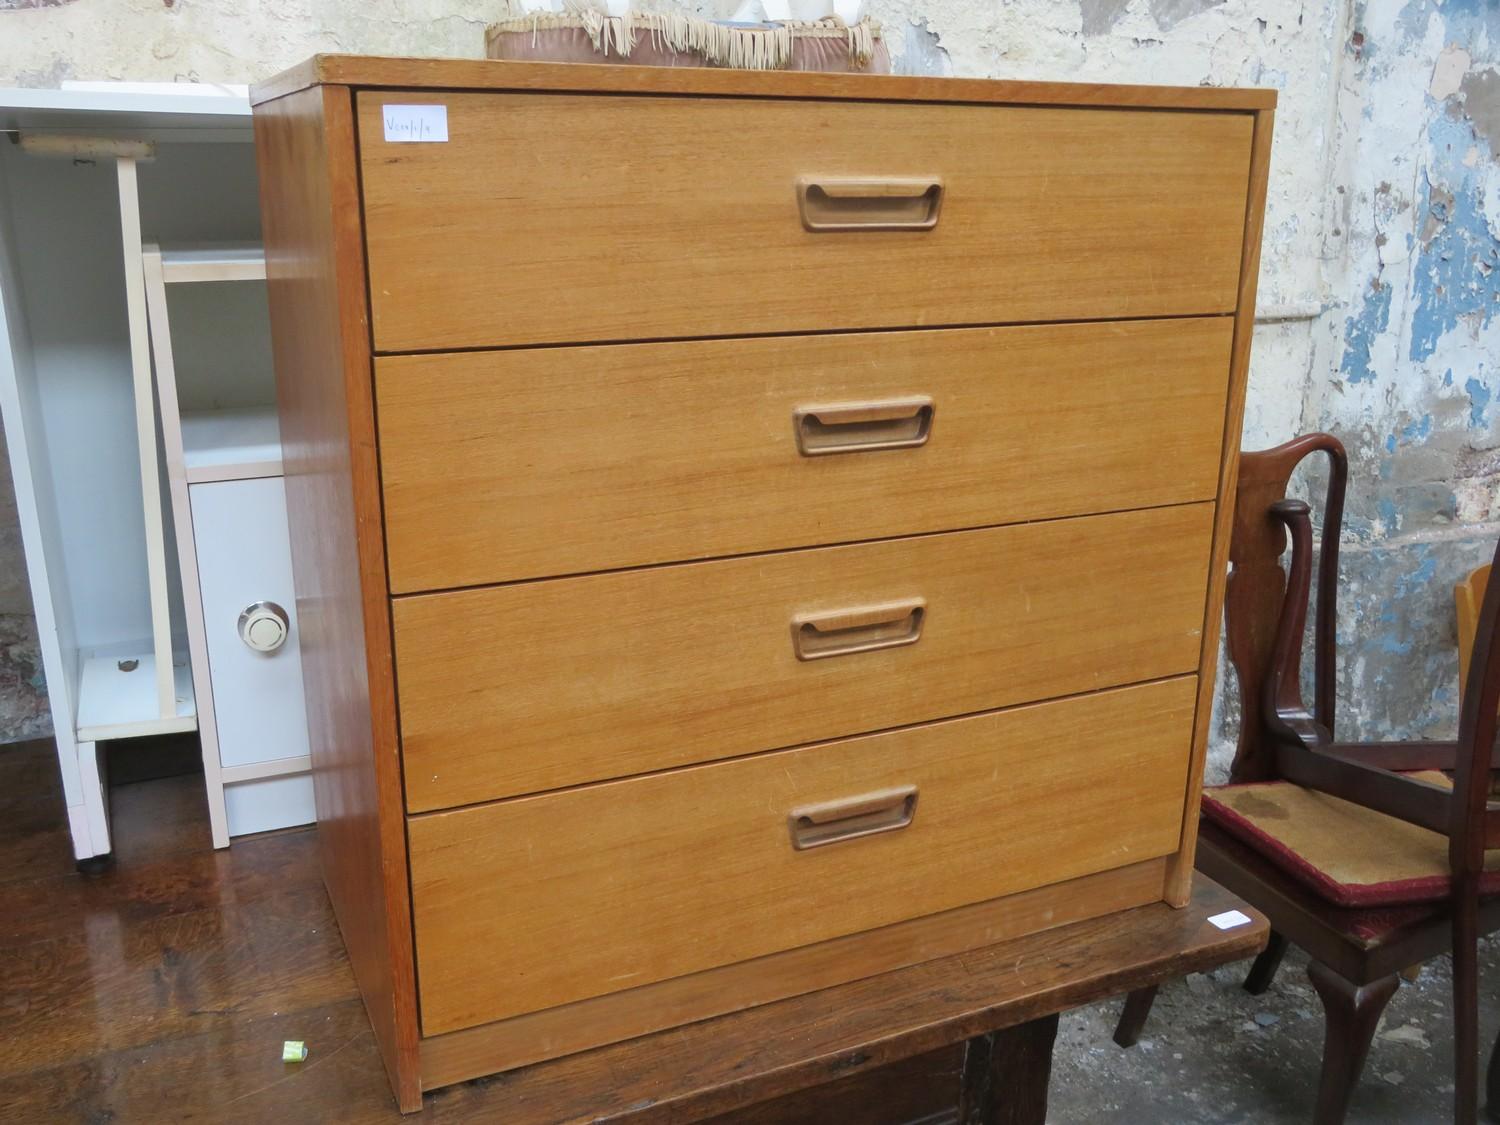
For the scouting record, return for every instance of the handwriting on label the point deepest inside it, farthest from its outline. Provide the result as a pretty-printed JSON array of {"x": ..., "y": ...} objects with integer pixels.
[{"x": 406, "y": 124}]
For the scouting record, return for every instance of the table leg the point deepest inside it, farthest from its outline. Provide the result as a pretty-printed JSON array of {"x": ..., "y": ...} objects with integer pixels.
[{"x": 1006, "y": 1073}]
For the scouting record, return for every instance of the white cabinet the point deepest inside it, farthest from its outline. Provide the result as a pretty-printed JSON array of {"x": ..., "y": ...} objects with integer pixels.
[{"x": 98, "y": 179}]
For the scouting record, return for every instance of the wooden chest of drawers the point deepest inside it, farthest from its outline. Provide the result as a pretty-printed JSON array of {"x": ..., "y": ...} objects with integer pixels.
[{"x": 751, "y": 531}]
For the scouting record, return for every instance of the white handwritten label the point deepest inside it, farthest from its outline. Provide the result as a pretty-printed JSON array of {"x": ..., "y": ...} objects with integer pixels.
[
  {"x": 407, "y": 124},
  {"x": 1229, "y": 919}
]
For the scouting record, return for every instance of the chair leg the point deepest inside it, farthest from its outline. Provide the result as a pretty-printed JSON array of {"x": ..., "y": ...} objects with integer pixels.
[
  {"x": 1263, "y": 971},
  {"x": 1133, "y": 1018},
  {"x": 1351, "y": 1013},
  {"x": 1466, "y": 1011}
]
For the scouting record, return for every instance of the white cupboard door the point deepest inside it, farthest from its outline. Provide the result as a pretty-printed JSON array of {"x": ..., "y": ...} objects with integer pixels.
[{"x": 245, "y": 572}]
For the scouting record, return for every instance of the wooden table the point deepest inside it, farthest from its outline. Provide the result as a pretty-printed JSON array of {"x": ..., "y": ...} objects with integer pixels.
[
  {"x": 164, "y": 989},
  {"x": 986, "y": 1019}
]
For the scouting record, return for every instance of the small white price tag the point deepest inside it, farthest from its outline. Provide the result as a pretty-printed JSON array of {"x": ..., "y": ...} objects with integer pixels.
[
  {"x": 414, "y": 124},
  {"x": 1229, "y": 919}
]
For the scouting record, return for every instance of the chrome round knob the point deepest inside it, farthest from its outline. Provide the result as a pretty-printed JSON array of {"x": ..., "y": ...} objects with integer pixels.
[{"x": 264, "y": 626}]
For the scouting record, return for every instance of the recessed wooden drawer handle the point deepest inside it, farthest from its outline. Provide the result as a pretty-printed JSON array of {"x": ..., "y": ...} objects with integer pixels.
[
  {"x": 858, "y": 427},
  {"x": 815, "y": 636},
  {"x": 883, "y": 203},
  {"x": 884, "y": 811}
]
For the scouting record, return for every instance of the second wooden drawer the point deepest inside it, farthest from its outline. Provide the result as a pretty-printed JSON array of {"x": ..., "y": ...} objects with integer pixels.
[
  {"x": 505, "y": 465},
  {"x": 540, "y": 685}
]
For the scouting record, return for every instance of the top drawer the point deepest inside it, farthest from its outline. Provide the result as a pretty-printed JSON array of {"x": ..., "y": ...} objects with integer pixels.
[{"x": 575, "y": 218}]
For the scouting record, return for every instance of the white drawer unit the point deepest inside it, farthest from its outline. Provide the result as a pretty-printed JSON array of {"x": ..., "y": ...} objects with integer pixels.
[
  {"x": 206, "y": 305},
  {"x": 249, "y": 625}
]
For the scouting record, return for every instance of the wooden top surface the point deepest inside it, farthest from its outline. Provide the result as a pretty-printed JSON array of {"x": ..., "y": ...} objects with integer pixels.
[
  {"x": 485, "y": 74},
  {"x": 688, "y": 1073}
]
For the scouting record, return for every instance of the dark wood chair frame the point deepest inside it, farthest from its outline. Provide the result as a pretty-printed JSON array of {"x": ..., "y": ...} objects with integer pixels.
[{"x": 1266, "y": 616}]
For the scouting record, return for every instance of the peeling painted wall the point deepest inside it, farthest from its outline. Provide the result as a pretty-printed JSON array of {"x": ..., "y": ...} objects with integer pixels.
[
  {"x": 1378, "y": 281},
  {"x": 1405, "y": 364},
  {"x": 23, "y": 700}
]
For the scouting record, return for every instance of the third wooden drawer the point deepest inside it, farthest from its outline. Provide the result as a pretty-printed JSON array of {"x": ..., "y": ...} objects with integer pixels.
[
  {"x": 539, "y": 685},
  {"x": 526, "y": 904},
  {"x": 506, "y": 465}
]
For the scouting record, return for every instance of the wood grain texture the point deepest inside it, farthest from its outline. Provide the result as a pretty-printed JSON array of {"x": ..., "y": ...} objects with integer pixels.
[
  {"x": 720, "y": 1065},
  {"x": 921, "y": 1089},
  {"x": 1006, "y": 1075},
  {"x": 690, "y": 227},
  {"x": 1255, "y": 594},
  {"x": 678, "y": 217},
  {"x": 34, "y": 812},
  {"x": 693, "y": 869},
  {"x": 616, "y": 674},
  {"x": 171, "y": 941},
  {"x": 618, "y": 1016},
  {"x": 477, "y": 74},
  {"x": 518, "y": 464},
  {"x": 1468, "y": 595},
  {"x": 108, "y": 986},
  {"x": 155, "y": 992},
  {"x": 1180, "y": 879},
  {"x": 315, "y": 276}
]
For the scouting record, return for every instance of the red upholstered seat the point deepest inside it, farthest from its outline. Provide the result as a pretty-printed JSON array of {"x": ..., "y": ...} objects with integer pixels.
[{"x": 1345, "y": 853}]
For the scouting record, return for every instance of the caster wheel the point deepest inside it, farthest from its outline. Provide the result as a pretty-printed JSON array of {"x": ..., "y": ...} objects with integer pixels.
[{"x": 96, "y": 864}]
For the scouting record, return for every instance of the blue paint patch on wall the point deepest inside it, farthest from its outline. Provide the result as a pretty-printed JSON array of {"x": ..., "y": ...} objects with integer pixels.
[
  {"x": 1416, "y": 574},
  {"x": 1479, "y": 398},
  {"x": 1388, "y": 514},
  {"x": 1361, "y": 332},
  {"x": 1462, "y": 19},
  {"x": 1410, "y": 433},
  {"x": 1451, "y": 8},
  {"x": 1414, "y": 581},
  {"x": 1457, "y": 270},
  {"x": 1412, "y": 21}
]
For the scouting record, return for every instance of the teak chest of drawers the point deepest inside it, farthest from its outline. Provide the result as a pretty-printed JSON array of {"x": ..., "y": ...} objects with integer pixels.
[{"x": 751, "y": 531}]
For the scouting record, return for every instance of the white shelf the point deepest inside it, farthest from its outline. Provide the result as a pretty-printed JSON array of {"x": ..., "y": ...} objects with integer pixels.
[
  {"x": 231, "y": 444},
  {"x": 176, "y": 113},
  {"x": 114, "y": 702},
  {"x": 232, "y": 261}
]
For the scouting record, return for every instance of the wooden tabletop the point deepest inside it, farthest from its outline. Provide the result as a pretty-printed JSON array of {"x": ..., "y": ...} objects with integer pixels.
[
  {"x": 601, "y": 78},
  {"x": 164, "y": 988},
  {"x": 719, "y": 1065}
]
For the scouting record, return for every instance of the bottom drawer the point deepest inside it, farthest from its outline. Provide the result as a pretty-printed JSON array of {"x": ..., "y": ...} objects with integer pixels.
[{"x": 534, "y": 902}]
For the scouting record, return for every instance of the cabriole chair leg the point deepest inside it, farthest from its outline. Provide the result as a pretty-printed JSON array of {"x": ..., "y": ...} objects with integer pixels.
[{"x": 1351, "y": 1012}]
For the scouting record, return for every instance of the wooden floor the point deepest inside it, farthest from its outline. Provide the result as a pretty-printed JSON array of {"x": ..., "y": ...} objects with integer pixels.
[{"x": 162, "y": 990}]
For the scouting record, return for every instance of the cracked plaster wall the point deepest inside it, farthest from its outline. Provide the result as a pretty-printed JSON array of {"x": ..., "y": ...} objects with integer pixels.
[
  {"x": 1377, "y": 283},
  {"x": 23, "y": 700},
  {"x": 1405, "y": 364}
]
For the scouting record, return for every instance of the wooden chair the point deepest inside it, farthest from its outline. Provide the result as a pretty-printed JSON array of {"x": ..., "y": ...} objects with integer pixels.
[
  {"x": 1468, "y": 596},
  {"x": 1366, "y": 855}
]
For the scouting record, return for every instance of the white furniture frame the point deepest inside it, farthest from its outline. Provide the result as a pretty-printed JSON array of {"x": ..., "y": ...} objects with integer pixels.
[
  {"x": 117, "y": 622},
  {"x": 202, "y": 451}
]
